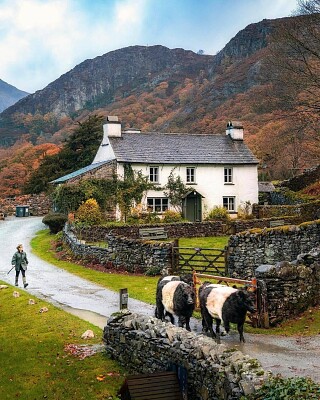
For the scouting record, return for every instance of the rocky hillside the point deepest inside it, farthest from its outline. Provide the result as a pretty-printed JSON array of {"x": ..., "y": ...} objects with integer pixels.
[
  {"x": 95, "y": 83},
  {"x": 133, "y": 70},
  {"x": 9, "y": 95}
]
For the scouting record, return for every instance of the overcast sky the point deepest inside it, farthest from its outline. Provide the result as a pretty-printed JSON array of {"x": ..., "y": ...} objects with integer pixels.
[{"x": 42, "y": 39}]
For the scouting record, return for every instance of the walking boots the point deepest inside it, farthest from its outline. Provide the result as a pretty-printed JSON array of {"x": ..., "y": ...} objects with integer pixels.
[
  {"x": 24, "y": 280},
  {"x": 16, "y": 282}
]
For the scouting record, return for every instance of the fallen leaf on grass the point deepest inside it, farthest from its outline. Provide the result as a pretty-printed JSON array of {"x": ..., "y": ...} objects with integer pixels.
[
  {"x": 83, "y": 351},
  {"x": 101, "y": 378},
  {"x": 113, "y": 374}
]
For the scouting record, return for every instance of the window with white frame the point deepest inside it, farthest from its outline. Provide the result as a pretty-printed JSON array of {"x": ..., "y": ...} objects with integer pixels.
[
  {"x": 228, "y": 175},
  {"x": 191, "y": 175},
  {"x": 154, "y": 174},
  {"x": 229, "y": 203},
  {"x": 157, "y": 204}
]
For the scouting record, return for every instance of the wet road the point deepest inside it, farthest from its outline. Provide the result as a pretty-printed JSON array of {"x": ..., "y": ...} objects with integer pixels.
[
  {"x": 293, "y": 356},
  {"x": 75, "y": 295}
]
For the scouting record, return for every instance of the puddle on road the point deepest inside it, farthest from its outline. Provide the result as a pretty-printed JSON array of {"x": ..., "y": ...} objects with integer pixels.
[{"x": 90, "y": 316}]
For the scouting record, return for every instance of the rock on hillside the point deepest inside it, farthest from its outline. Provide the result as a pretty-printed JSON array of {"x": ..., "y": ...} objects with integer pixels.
[{"x": 95, "y": 83}]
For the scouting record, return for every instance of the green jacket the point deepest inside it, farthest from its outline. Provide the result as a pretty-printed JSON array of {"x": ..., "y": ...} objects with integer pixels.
[{"x": 19, "y": 260}]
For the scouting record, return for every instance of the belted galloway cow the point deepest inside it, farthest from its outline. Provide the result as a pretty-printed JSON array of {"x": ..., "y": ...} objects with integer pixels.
[
  {"x": 175, "y": 297},
  {"x": 224, "y": 303}
]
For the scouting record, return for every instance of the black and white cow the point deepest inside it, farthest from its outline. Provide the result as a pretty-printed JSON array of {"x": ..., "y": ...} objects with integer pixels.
[
  {"x": 224, "y": 303},
  {"x": 175, "y": 297},
  {"x": 187, "y": 278}
]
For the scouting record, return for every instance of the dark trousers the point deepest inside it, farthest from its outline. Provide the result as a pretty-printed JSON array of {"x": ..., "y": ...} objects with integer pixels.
[{"x": 22, "y": 271}]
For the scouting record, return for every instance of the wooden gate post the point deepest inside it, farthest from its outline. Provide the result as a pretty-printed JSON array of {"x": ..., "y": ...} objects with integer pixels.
[
  {"x": 262, "y": 301},
  {"x": 175, "y": 256}
]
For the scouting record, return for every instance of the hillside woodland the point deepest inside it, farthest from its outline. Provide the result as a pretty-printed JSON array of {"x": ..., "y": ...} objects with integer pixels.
[{"x": 267, "y": 76}]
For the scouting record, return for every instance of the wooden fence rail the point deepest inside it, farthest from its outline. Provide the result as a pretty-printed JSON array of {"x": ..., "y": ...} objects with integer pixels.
[{"x": 202, "y": 260}]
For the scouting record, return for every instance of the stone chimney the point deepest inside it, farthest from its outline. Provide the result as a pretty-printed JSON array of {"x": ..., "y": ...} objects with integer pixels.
[
  {"x": 112, "y": 127},
  {"x": 235, "y": 130}
]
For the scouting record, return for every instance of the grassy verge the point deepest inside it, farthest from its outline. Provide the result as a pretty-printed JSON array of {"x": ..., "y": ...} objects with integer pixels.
[
  {"x": 140, "y": 287},
  {"x": 35, "y": 363},
  {"x": 143, "y": 288}
]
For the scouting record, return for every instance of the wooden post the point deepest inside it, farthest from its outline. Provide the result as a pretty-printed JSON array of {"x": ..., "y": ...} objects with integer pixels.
[
  {"x": 123, "y": 298},
  {"x": 174, "y": 256}
]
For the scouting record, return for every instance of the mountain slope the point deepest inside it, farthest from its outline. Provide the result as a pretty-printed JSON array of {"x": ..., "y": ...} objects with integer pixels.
[
  {"x": 96, "y": 82},
  {"x": 9, "y": 95}
]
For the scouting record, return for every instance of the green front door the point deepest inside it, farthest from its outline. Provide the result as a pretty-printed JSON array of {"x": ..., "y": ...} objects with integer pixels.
[{"x": 192, "y": 207}]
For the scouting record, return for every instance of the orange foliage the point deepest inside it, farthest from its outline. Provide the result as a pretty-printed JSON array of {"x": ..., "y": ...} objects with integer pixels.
[{"x": 18, "y": 162}]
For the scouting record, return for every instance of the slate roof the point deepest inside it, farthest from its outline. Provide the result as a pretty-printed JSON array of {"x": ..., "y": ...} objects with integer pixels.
[
  {"x": 266, "y": 187},
  {"x": 180, "y": 148},
  {"x": 80, "y": 171}
]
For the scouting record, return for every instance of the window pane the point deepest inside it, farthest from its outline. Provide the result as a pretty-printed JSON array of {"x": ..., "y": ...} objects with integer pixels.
[
  {"x": 190, "y": 174},
  {"x": 157, "y": 204},
  {"x": 229, "y": 203},
  {"x": 228, "y": 175},
  {"x": 154, "y": 174}
]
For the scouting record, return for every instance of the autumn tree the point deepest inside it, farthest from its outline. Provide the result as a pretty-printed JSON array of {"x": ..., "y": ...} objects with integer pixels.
[
  {"x": 294, "y": 59},
  {"x": 77, "y": 153}
]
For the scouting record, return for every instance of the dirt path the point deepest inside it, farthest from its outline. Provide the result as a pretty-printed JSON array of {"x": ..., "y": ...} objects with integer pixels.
[{"x": 292, "y": 356}]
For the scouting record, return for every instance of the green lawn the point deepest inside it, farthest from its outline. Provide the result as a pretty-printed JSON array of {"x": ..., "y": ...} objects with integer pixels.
[{"x": 35, "y": 363}]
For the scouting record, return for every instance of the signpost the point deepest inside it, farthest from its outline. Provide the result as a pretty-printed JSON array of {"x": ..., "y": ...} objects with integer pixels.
[{"x": 123, "y": 298}]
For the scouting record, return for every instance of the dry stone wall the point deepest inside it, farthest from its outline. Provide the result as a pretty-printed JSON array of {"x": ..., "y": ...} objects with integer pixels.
[
  {"x": 144, "y": 344},
  {"x": 181, "y": 229},
  {"x": 125, "y": 254},
  {"x": 38, "y": 204},
  {"x": 292, "y": 287},
  {"x": 303, "y": 211},
  {"x": 174, "y": 230},
  {"x": 250, "y": 249}
]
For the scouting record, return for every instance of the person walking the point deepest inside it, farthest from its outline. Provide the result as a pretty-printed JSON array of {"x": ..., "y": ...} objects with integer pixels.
[{"x": 20, "y": 262}]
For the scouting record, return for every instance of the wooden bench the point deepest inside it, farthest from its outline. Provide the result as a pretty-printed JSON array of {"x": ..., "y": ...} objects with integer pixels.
[
  {"x": 153, "y": 233},
  {"x": 156, "y": 386},
  {"x": 278, "y": 222}
]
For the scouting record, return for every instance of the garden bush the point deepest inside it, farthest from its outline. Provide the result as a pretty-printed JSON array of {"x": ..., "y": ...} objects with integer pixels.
[
  {"x": 171, "y": 216},
  {"x": 279, "y": 388},
  {"x": 55, "y": 221},
  {"x": 89, "y": 213},
  {"x": 218, "y": 213}
]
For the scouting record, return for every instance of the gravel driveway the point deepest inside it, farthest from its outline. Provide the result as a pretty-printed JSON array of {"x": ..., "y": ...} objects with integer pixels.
[{"x": 293, "y": 356}]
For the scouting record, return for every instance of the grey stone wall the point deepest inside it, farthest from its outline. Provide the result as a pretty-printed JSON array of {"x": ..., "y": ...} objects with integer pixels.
[
  {"x": 145, "y": 345},
  {"x": 250, "y": 249},
  {"x": 292, "y": 287},
  {"x": 125, "y": 254},
  {"x": 303, "y": 180},
  {"x": 183, "y": 229},
  {"x": 39, "y": 204},
  {"x": 302, "y": 211},
  {"x": 174, "y": 230}
]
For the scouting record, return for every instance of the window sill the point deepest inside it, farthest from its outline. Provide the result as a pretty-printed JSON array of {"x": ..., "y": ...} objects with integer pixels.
[
  {"x": 229, "y": 184},
  {"x": 191, "y": 183}
]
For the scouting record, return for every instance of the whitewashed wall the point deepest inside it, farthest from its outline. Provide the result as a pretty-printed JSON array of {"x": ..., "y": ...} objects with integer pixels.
[{"x": 209, "y": 182}]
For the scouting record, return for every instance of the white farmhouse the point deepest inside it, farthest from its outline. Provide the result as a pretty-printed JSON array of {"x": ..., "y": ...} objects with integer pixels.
[{"x": 220, "y": 169}]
